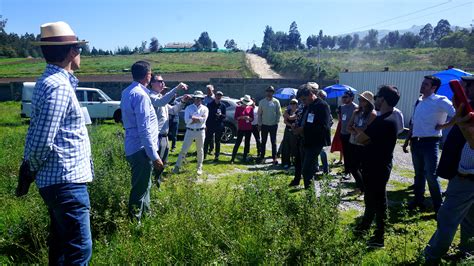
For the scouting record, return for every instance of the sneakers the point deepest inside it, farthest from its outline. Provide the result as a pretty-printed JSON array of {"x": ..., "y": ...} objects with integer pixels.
[
  {"x": 199, "y": 171},
  {"x": 294, "y": 184}
]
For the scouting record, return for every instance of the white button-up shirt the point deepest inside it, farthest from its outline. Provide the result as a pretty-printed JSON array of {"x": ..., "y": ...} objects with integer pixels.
[
  {"x": 429, "y": 112},
  {"x": 200, "y": 111}
]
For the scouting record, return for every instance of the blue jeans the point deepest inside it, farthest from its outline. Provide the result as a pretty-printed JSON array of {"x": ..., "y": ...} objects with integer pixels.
[
  {"x": 70, "y": 240},
  {"x": 458, "y": 208},
  {"x": 139, "y": 201},
  {"x": 324, "y": 161},
  {"x": 425, "y": 159},
  {"x": 309, "y": 162}
]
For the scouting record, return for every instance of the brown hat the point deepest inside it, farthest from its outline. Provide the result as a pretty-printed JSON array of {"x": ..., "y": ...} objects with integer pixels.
[
  {"x": 368, "y": 96},
  {"x": 58, "y": 33}
]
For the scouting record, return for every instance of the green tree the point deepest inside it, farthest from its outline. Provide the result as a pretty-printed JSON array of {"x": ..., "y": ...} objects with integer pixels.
[
  {"x": 442, "y": 29},
  {"x": 393, "y": 38},
  {"x": 230, "y": 44},
  {"x": 371, "y": 39},
  {"x": 457, "y": 39},
  {"x": 312, "y": 41},
  {"x": 154, "y": 45},
  {"x": 268, "y": 38},
  {"x": 425, "y": 33},
  {"x": 294, "y": 37},
  {"x": 281, "y": 41},
  {"x": 203, "y": 43},
  {"x": 355, "y": 41},
  {"x": 142, "y": 48},
  {"x": 94, "y": 52},
  {"x": 344, "y": 42},
  {"x": 409, "y": 40},
  {"x": 214, "y": 45}
]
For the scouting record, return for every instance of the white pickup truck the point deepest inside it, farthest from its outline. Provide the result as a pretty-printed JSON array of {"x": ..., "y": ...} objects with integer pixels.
[{"x": 98, "y": 104}]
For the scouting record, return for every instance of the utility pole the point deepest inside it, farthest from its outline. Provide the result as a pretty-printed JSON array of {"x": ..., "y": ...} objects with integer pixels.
[{"x": 319, "y": 56}]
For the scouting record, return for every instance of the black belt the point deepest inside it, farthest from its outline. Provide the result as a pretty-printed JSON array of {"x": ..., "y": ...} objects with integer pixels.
[
  {"x": 467, "y": 176},
  {"x": 163, "y": 135},
  {"x": 195, "y": 129},
  {"x": 422, "y": 139}
]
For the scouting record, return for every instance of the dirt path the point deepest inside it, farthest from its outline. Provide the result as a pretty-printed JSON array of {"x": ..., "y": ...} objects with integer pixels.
[{"x": 260, "y": 66}]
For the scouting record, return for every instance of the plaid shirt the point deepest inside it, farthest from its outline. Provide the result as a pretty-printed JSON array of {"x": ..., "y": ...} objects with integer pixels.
[{"x": 57, "y": 144}]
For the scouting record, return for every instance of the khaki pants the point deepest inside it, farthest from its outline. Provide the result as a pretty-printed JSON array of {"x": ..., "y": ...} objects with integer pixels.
[{"x": 189, "y": 137}]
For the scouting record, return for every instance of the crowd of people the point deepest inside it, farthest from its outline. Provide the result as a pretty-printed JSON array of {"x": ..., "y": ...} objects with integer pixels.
[{"x": 58, "y": 153}]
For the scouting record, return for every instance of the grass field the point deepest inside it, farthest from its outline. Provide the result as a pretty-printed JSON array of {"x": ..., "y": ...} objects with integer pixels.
[
  {"x": 298, "y": 63},
  {"x": 234, "y": 214},
  {"x": 162, "y": 62}
]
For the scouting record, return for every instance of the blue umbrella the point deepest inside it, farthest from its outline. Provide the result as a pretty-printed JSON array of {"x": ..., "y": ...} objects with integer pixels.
[
  {"x": 447, "y": 75},
  {"x": 285, "y": 93},
  {"x": 338, "y": 90}
]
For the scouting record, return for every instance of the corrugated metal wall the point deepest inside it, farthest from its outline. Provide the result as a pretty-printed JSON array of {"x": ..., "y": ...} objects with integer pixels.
[{"x": 407, "y": 82}]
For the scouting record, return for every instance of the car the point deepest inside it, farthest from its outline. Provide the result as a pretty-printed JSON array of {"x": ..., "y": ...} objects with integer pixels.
[
  {"x": 230, "y": 124},
  {"x": 98, "y": 103}
]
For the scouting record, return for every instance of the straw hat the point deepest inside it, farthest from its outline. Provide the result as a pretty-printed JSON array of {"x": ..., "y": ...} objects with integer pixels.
[
  {"x": 199, "y": 94},
  {"x": 58, "y": 33},
  {"x": 368, "y": 96},
  {"x": 247, "y": 100}
]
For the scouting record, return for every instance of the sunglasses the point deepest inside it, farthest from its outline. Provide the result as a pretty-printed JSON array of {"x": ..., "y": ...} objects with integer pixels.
[
  {"x": 158, "y": 81},
  {"x": 293, "y": 103}
]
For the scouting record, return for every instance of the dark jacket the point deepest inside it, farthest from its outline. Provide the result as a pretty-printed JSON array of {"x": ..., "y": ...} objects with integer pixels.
[
  {"x": 318, "y": 131},
  {"x": 214, "y": 120}
]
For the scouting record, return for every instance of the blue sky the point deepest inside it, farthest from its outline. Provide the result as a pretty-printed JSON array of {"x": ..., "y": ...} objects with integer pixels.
[{"x": 108, "y": 24}]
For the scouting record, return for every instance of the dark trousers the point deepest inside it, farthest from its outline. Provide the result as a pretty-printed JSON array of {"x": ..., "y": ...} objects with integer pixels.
[
  {"x": 70, "y": 241},
  {"x": 258, "y": 142},
  {"x": 288, "y": 147},
  {"x": 309, "y": 163},
  {"x": 375, "y": 179},
  {"x": 355, "y": 164},
  {"x": 139, "y": 200},
  {"x": 173, "y": 132},
  {"x": 298, "y": 160},
  {"x": 163, "y": 150},
  {"x": 240, "y": 135},
  {"x": 345, "y": 151},
  {"x": 213, "y": 134},
  {"x": 272, "y": 130}
]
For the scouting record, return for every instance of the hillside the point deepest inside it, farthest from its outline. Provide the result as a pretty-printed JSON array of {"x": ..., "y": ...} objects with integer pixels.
[
  {"x": 114, "y": 65},
  {"x": 303, "y": 63}
]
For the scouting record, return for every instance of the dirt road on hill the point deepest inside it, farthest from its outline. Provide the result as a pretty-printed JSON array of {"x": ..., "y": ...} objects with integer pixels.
[{"x": 260, "y": 66}]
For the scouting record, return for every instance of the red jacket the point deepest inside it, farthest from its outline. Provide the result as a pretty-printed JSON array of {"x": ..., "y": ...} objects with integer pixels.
[{"x": 242, "y": 124}]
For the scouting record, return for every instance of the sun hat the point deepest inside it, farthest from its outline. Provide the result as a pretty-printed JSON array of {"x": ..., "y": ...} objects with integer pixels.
[
  {"x": 199, "y": 94},
  {"x": 58, "y": 33},
  {"x": 219, "y": 93},
  {"x": 368, "y": 96},
  {"x": 247, "y": 100},
  {"x": 294, "y": 100}
]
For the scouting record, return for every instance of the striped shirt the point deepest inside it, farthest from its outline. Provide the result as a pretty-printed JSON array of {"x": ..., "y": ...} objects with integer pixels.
[
  {"x": 57, "y": 143},
  {"x": 466, "y": 165}
]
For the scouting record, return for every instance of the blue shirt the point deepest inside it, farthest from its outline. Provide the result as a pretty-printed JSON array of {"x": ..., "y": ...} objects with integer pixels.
[
  {"x": 139, "y": 120},
  {"x": 57, "y": 143},
  {"x": 466, "y": 164}
]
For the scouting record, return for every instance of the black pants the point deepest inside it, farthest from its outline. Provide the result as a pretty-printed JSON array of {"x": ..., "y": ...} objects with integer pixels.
[
  {"x": 163, "y": 151},
  {"x": 355, "y": 164},
  {"x": 299, "y": 155},
  {"x": 346, "y": 152},
  {"x": 375, "y": 197},
  {"x": 272, "y": 130},
  {"x": 240, "y": 136},
  {"x": 213, "y": 134},
  {"x": 258, "y": 142},
  {"x": 288, "y": 147}
]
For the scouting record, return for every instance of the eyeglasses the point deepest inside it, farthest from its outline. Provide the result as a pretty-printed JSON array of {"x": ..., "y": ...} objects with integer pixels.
[
  {"x": 293, "y": 103},
  {"x": 345, "y": 97},
  {"x": 158, "y": 81}
]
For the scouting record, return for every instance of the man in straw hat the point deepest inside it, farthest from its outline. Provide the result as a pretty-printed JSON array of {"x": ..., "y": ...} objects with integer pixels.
[
  {"x": 57, "y": 147},
  {"x": 195, "y": 116},
  {"x": 141, "y": 138}
]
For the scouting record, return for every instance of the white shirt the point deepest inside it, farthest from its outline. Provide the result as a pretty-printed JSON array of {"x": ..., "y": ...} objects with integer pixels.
[
  {"x": 192, "y": 110},
  {"x": 429, "y": 112},
  {"x": 255, "y": 116}
]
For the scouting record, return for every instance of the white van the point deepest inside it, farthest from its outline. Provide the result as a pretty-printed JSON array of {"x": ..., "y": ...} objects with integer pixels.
[{"x": 99, "y": 105}]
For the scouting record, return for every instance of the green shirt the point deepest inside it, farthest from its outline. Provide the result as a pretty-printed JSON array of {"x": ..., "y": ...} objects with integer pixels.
[{"x": 269, "y": 112}]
